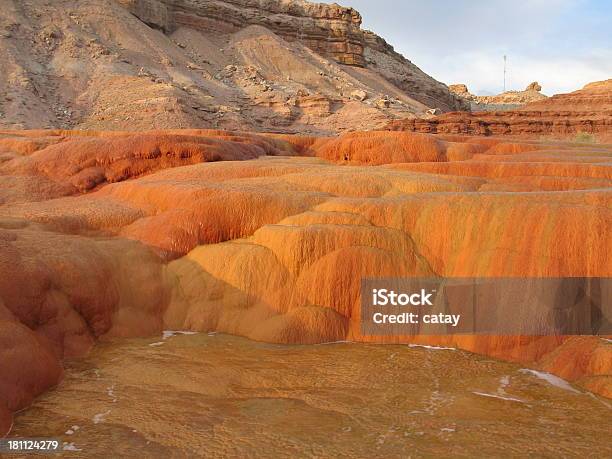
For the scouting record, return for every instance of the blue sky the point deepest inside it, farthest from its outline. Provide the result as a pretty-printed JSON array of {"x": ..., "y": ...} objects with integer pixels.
[{"x": 563, "y": 44}]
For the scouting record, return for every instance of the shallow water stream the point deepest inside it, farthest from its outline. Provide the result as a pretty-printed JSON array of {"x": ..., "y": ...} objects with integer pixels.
[{"x": 222, "y": 396}]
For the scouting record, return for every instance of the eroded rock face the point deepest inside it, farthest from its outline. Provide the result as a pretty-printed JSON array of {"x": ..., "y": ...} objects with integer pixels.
[
  {"x": 162, "y": 64},
  {"x": 534, "y": 86},
  {"x": 152, "y": 12},
  {"x": 586, "y": 111},
  {"x": 274, "y": 248},
  {"x": 530, "y": 124},
  {"x": 331, "y": 30},
  {"x": 460, "y": 89},
  {"x": 505, "y": 101}
]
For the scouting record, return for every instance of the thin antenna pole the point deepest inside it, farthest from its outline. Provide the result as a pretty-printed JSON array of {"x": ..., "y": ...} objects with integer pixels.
[{"x": 505, "y": 64}]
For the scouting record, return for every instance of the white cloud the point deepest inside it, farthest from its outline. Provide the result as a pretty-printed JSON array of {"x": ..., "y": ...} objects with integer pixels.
[
  {"x": 563, "y": 44},
  {"x": 482, "y": 72}
]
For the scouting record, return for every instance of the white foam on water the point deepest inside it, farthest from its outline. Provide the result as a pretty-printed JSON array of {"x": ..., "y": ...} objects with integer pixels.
[
  {"x": 159, "y": 343},
  {"x": 447, "y": 429},
  {"x": 69, "y": 432},
  {"x": 111, "y": 392},
  {"x": 606, "y": 340},
  {"x": 434, "y": 348},
  {"x": 504, "y": 382},
  {"x": 551, "y": 379},
  {"x": 332, "y": 342},
  {"x": 606, "y": 404},
  {"x": 70, "y": 447},
  {"x": 501, "y": 397},
  {"x": 170, "y": 333},
  {"x": 98, "y": 418}
]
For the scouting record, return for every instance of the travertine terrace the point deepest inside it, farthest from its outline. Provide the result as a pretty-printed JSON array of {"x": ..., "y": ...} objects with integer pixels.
[{"x": 117, "y": 234}]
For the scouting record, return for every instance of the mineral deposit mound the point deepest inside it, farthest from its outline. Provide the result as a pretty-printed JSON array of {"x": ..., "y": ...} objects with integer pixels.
[
  {"x": 238, "y": 166},
  {"x": 114, "y": 234}
]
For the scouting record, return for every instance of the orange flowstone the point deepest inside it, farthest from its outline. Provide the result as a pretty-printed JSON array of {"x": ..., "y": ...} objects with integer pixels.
[{"x": 273, "y": 248}]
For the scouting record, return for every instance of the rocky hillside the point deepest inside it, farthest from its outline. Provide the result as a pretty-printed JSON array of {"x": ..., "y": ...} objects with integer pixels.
[
  {"x": 284, "y": 66},
  {"x": 507, "y": 100},
  {"x": 586, "y": 111}
]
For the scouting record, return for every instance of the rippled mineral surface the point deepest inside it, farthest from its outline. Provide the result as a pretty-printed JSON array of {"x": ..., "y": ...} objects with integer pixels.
[{"x": 214, "y": 395}]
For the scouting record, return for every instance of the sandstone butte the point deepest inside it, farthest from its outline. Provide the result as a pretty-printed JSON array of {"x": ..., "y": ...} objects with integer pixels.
[
  {"x": 586, "y": 111},
  {"x": 505, "y": 100},
  {"x": 116, "y": 234}
]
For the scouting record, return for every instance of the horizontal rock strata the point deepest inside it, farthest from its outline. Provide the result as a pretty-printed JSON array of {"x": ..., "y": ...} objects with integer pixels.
[
  {"x": 586, "y": 111},
  {"x": 272, "y": 66}
]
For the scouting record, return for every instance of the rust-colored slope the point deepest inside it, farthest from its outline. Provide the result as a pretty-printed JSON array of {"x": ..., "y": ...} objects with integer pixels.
[
  {"x": 85, "y": 162},
  {"x": 596, "y": 97},
  {"x": 274, "y": 248}
]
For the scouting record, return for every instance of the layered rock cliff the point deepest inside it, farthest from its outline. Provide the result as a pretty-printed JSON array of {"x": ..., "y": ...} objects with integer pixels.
[
  {"x": 331, "y": 30},
  {"x": 282, "y": 66},
  {"x": 154, "y": 13},
  {"x": 585, "y": 112}
]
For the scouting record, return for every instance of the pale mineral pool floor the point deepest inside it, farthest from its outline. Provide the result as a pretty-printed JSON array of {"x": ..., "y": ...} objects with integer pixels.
[{"x": 221, "y": 396}]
